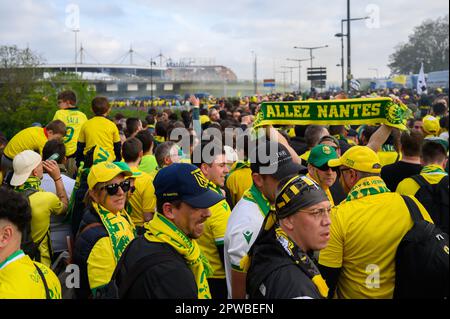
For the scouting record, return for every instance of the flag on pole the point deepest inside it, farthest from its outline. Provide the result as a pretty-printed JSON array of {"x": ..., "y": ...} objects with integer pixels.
[
  {"x": 355, "y": 84},
  {"x": 421, "y": 84}
]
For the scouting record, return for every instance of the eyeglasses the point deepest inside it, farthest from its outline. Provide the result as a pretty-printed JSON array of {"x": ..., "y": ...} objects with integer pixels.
[
  {"x": 318, "y": 213},
  {"x": 325, "y": 168},
  {"x": 112, "y": 189},
  {"x": 343, "y": 170}
]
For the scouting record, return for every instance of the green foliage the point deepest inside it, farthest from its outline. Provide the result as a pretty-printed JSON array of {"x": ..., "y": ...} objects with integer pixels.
[
  {"x": 26, "y": 98},
  {"x": 428, "y": 44}
]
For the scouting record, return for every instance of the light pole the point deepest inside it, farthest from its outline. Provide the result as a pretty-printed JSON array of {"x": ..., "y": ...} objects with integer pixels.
[
  {"x": 152, "y": 63},
  {"x": 290, "y": 70},
  {"x": 310, "y": 54},
  {"x": 342, "y": 35},
  {"x": 284, "y": 79},
  {"x": 255, "y": 77},
  {"x": 299, "y": 71},
  {"x": 376, "y": 70},
  {"x": 75, "y": 31}
]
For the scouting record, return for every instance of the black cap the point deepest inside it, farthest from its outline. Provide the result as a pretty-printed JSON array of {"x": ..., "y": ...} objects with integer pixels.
[{"x": 273, "y": 158}]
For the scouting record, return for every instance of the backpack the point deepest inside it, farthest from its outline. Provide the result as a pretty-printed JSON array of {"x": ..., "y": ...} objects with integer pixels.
[
  {"x": 422, "y": 260},
  {"x": 113, "y": 291},
  {"x": 434, "y": 197},
  {"x": 27, "y": 244}
]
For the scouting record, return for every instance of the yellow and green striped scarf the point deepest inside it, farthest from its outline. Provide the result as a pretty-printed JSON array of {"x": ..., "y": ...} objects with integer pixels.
[{"x": 162, "y": 230}]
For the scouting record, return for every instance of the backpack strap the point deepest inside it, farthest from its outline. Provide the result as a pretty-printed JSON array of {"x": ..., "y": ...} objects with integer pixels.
[
  {"x": 139, "y": 267},
  {"x": 413, "y": 209},
  {"x": 419, "y": 179},
  {"x": 47, "y": 292},
  {"x": 92, "y": 225}
]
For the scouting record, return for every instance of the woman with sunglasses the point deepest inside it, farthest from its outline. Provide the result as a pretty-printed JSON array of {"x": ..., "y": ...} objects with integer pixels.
[{"x": 105, "y": 230}]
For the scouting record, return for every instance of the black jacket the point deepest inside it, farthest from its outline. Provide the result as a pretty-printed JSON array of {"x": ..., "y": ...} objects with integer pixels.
[
  {"x": 169, "y": 279},
  {"x": 274, "y": 275}
]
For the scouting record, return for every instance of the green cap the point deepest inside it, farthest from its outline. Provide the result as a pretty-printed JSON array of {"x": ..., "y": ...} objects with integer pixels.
[
  {"x": 321, "y": 154},
  {"x": 124, "y": 166}
]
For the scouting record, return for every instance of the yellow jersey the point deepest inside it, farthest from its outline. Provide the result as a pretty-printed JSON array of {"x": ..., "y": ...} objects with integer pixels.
[
  {"x": 74, "y": 120},
  {"x": 408, "y": 186},
  {"x": 214, "y": 234},
  {"x": 143, "y": 199},
  {"x": 19, "y": 279},
  {"x": 32, "y": 138},
  {"x": 101, "y": 261},
  {"x": 102, "y": 133},
  {"x": 43, "y": 204},
  {"x": 238, "y": 181},
  {"x": 364, "y": 236}
]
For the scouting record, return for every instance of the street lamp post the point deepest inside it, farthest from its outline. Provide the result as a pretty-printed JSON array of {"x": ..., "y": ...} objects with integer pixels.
[
  {"x": 299, "y": 71},
  {"x": 75, "y": 31},
  {"x": 342, "y": 35},
  {"x": 290, "y": 70},
  {"x": 310, "y": 54},
  {"x": 284, "y": 79},
  {"x": 255, "y": 76},
  {"x": 152, "y": 63},
  {"x": 376, "y": 70}
]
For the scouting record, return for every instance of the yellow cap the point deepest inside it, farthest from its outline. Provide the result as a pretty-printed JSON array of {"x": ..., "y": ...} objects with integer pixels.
[
  {"x": 431, "y": 125},
  {"x": 204, "y": 119},
  {"x": 104, "y": 172},
  {"x": 360, "y": 158}
]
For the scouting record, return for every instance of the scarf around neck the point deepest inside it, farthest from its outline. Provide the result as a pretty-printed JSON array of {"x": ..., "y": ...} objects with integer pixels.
[
  {"x": 162, "y": 230},
  {"x": 254, "y": 195},
  {"x": 367, "y": 186},
  {"x": 32, "y": 182},
  {"x": 120, "y": 238}
]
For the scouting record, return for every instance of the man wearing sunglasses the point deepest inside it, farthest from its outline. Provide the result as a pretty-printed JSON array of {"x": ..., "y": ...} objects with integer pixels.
[
  {"x": 318, "y": 169},
  {"x": 105, "y": 230},
  {"x": 366, "y": 229}
]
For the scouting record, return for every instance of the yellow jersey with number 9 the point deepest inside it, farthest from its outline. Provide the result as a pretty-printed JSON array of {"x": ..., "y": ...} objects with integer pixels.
[{"x": 74, "y": 120}]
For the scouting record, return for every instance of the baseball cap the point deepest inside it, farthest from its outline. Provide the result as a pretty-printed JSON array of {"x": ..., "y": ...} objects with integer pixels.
[
  {"x": 273, "y": 158},
  {"x": 321, "y": 154},
  {"x": 24, "y": 163},
  {"x": 104, "y": 172},
  {"x": 297, "y": 193},
  {"x": 360, "y": 158},
  {"x": 185, "y": 182},
  {"x": 431, "y": 125},
  {"x": 124, "y": 166},
  {"x": 441, "y": 141}
]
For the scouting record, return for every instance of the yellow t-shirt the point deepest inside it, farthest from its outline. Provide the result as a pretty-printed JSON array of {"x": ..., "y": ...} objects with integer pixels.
[
  {"x": 19, "y": 279},
  {"x": 408, "y": 186},
  {"x": 101, "y": 261},
  {"x": 32, "y": 138},
  {"x": 143, "y": 200},
  {"x": 102, "y": 133},
  {"x": 74, "y": 120},
  {"x": 213, "y": 236},
  {"x": 238, "y": 182},
  {"x": 43, "y": 204},
  {"x": 364, "y": 236}
]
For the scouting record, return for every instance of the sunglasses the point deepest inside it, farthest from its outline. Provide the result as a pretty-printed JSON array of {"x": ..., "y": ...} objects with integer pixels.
[
  {"x": 112, "y": 189},
  {"x": 325, "y": 168}
]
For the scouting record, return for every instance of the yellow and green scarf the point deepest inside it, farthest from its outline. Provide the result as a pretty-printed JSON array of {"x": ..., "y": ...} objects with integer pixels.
[
  {"x": 162, "y": 230},
  {"x": 32, "y": 182},
  {"x": 334, "y": 112},
  {"x": 290, "y": 247},
  {"x": 254, "y": 195},
  {"x": 433, "y": 169},
  {"x": 367, "y": 186},
  {"x": 119, "y": 238}
]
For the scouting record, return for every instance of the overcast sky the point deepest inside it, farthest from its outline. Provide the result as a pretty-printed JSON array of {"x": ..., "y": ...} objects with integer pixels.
[{"x": 226, "y": 31}]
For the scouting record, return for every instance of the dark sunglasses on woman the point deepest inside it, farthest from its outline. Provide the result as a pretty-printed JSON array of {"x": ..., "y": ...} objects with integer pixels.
[{"x": 112, "y": 189}]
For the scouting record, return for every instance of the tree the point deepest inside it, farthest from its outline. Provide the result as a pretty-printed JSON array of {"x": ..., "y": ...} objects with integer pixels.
[
  {"x": 26, "y": 96},
  {"x": 429, "y": 44}
]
